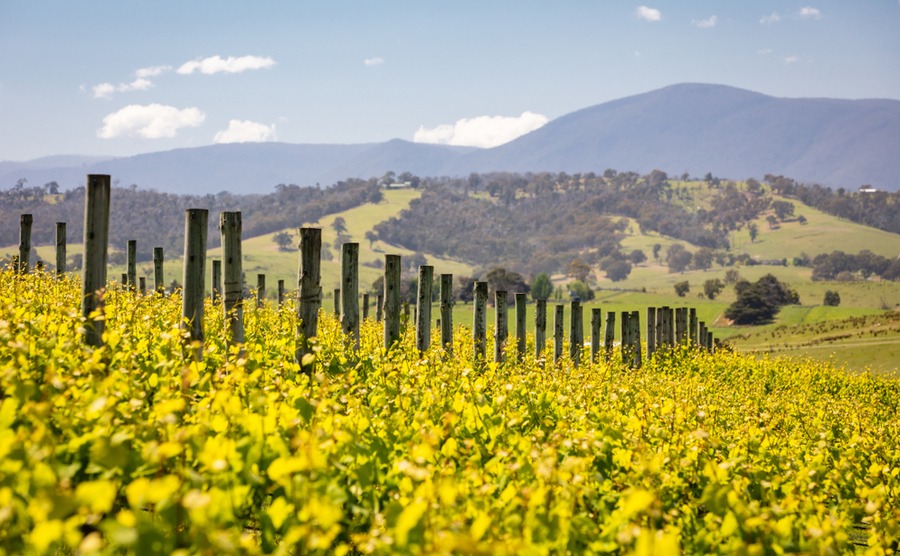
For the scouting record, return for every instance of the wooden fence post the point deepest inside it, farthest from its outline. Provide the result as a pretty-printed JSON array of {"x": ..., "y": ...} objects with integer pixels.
[
  {"x": 479, "y": 323},
  {"x": 558, "y": 328},
  {"x": 625, "y": 344},
  {"x": 392, "y": 307},
  {"x": 96, "y": 245},
  {"x": 216, "y": 280},
  {"x": 280, "y": 293},
  {"x": 501, "y": 325},
  {"x": 260, "y": 290},
  {"x": 25, "y": 223},
  {"x": 337, "y": 302},
  {"x": 131, "y": 265},
  {"x": 423, "y": 308},
  {"x": 576, "y": 332},
  {"x": 310, "y": 289},
  {"x": 521, "y": 334},
  {"x": 681, "y": 325},
  {"x": 365, "y": 307},
  {"x": 596, "y": 324},
  {"x": 379, "y": 307},
  {"x": 447, "y": 312},
  {"x": 195, "y": 230},
  {"x": 60, "y": 248},
  {"x": 350, "y": 291},
  {"x": 142, "y": 281},
  {"x": 692, "y": 326},
  {"x": 636, "y": 339},
  {"x": 230, "y": 228},
  {"x": 159, "y": 280},
  {"x": 702, "y": 334},
  {"x": 540, "y": 328},
  {"x": 610, "y": 338},
  {"x": 651, "y": 332}
]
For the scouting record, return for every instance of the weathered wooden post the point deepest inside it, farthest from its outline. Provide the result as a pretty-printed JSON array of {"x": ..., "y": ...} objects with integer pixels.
[
  {"x": 216, "y": 280},
  {"x": 670, "y": 326},
  {"x": 576, "y": 332},
  {"x": 710, "y": 342},
  {"x": 142, "y": 281},
  {"x": 558, "y": 328},
  {"x": 636, "y": 339},
  {"x": 96, "y": 245},
  {"x": 447, "y": 312},
  {"x": 260, "y": 290},
  {"x": 392, "y": 307},
  {"x": 60, "y": 248},
  {"x": 195, "y": 229},
  {"x": 479, "y": 322},
  {"x": 349, "y": 291},
  {"x": 521, "y": 334},
  {"x": 651, "y": 332},
  {"x": 337, "y": 302},
  {"x": 625, "y": 343},
  {"x": 596, "y": 324},
  {"x": 124, "y": 281},
  {"x": 230, "y": 228},
  {"x": 365, "y": 307},
  {"x": 702, "y": 334},
  {"x": 131, "y": 264},
  {"x": 610, "y": 338},
  {"x": 540, "y": 328},
  {"x": 379, "y": 307},
  {"x": 25, "y": 223},
  {"x": 680, "y": 325},
  {"x": 159, "y": 280},
  {"x": 501, "y": 325},
  {"x": 281, "y": 292},
  {"x": 423, "y": 308},
  {"x": 310, "y": 289},
  {"x": 659, "y": 329},
  {"x": 692, "y": 326}
]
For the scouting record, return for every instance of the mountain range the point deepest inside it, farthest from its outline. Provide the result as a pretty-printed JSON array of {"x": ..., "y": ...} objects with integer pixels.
[{"x": 693, "y": 128}]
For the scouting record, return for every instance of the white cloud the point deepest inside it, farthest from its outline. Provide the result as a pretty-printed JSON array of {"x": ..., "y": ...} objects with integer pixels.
[
  {"x": 151, "y": 121},
  {"x": 808, "y": 12},
  {"x": 217, "y": 64},
  {"x": 152, "y": 71},
  {"x": 773, "y": 18},
  {"x": 106, "y": 90},
  {"x": 649, "y": 14},
  {"x": 376, "y": 61},
  {"x": 245, "y": 131},
  {"x": 791, "y": 59},
  {"x": 765, "y": 51},
  {"x": 481, "y": 131},
  {"x": 705, "y": 23}
]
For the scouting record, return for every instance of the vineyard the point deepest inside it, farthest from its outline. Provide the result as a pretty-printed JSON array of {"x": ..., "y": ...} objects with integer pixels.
[{"x": 137, "y": 447}]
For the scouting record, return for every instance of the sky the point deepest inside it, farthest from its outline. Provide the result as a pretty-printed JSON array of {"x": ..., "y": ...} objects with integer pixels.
[{"x": 124, "y": 77}]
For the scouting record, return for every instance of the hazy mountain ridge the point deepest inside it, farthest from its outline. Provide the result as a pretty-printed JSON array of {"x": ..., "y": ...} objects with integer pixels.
[{"x": 692, "y": 128}]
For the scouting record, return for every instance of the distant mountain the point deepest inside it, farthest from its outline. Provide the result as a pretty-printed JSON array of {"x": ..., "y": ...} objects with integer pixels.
[{"x": 692, "y": 128}]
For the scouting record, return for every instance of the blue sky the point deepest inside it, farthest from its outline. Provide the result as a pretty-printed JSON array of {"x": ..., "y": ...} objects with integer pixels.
[{"x": 125, "y": 77}]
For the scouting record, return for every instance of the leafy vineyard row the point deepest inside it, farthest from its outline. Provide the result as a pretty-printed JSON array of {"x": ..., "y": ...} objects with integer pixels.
[{"x": 134, "y": 447}]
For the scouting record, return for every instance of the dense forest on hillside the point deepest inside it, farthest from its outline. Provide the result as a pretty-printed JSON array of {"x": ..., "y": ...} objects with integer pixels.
[
  {"x": 157, "y": 219},
  {"x": 541, "y": 222},
  {"x": 878, "y": 209}
]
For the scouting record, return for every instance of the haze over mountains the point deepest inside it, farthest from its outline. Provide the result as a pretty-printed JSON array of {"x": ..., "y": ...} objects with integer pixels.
[{"x": 691, "y": 128}]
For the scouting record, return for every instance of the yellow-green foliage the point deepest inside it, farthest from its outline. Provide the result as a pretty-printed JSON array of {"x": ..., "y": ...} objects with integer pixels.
[{"x": 134, "y": 448}]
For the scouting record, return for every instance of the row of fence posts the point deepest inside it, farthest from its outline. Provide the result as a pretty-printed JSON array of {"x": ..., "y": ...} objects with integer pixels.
[{"x": 666, "y": 327}]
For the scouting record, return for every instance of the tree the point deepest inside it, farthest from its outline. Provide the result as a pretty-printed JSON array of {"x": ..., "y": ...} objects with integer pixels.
[
  {"x": 732, "y": 276},
  {"x": 371, "y": 237},
  {"x": 618, "y": 270},
  {"x": 713, "y": 287},
  {"x": 759, "y": 302},
  {"x": 678, "y": 258},
  {"x": 580, "y": 291},
  {"x": 783, "y": 209},
  {"x": 682, "y": 288},
  {"x": 579, "y": 270},
  {"x": 773, "y": 222},
  {"x": 703, "y": 258},
  {"x": 541, "y": 287},
  {"x": 339, "y": 225},
  {"x": 283, "y": 240},
  {"x": 501, "y": 279},
  {"x": 637, "y": 257},
  {"x": 754, "y": 231},
  {"x": 656, "y": 248},
  {"x": 832, "y": 299}
]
